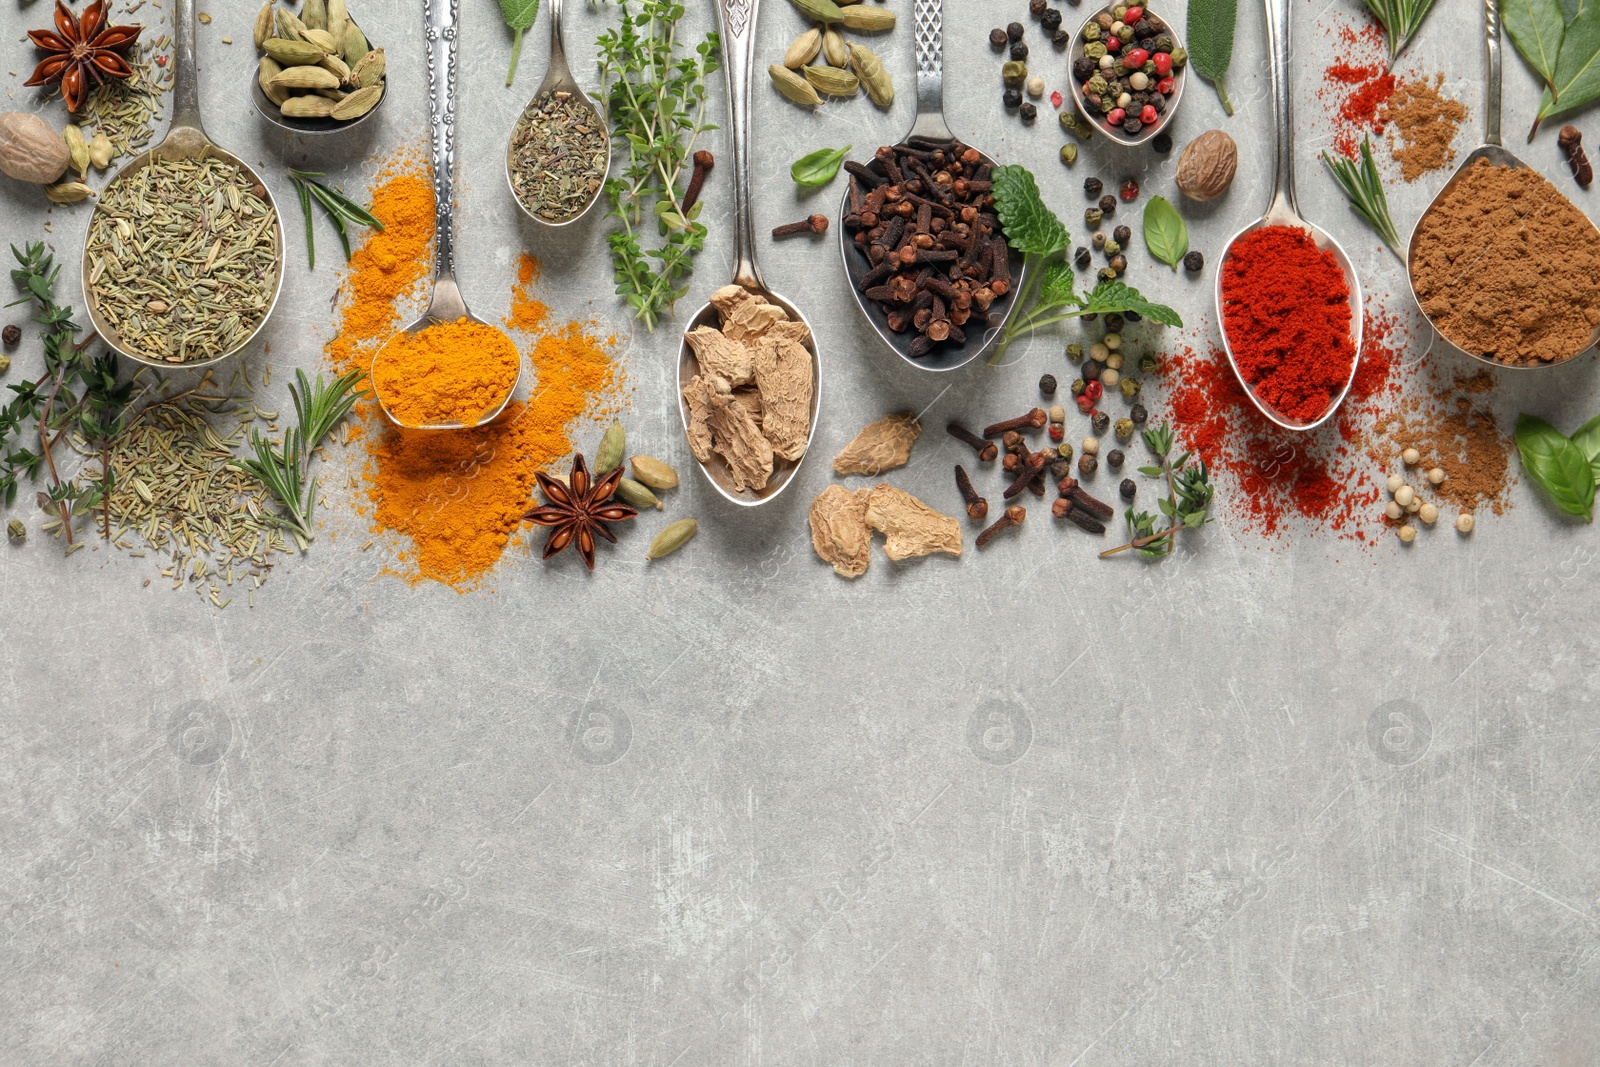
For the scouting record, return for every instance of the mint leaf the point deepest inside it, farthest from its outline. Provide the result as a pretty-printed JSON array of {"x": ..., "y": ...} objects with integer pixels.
[
  {"x": 1165, "y": 234},
  {"x": 1055, "y": 288},
  {"x": 1209, "y": 33},
  {"x": 1558, "y": 465},
  {"x": 1116, "y": 297},
  {"x": 1029, "y": 226}
]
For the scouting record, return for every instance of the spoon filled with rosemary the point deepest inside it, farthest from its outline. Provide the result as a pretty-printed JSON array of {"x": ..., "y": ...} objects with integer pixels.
[{"x": 412, "y": 381}]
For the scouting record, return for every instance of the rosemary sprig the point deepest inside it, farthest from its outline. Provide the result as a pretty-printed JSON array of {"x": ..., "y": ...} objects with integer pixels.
[
  {"x": 282, "y": 469},
  {"x": 1401, "y": 20},
  {"x": 339, "y": 208},
  {"x": 1363, "y": 187},
  {"x": 1189, "y": 492}
]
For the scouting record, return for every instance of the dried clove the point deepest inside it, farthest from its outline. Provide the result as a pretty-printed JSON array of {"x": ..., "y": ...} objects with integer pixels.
[
  {"x": 1030, "y": 468},
  {"x": 814, "y": 224},
  {"x": 703, "y": 162},
  {"x": 1066, "y": 508},
  {"x": 987, "y": 450},
  {"x": 1013, "y": 517},
  {"x": 1071, "y": 490},
  {"x": 1032, "y": 420},
  {"x": 977, "y": 506},
  {"x": 1570, "y": 141}
]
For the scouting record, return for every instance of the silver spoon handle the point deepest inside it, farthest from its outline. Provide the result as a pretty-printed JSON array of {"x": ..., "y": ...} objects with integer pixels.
[
  {"x": 738, "y": 22},
  {"x": 440, "y": 16},
  {"x": 1491, "y": 54},
  {"x": 928, "y": 15},
  {"x": 558, "y": 48},
  {"x": 1282, "y": 113},
  {"x": 186, "y": 74}
]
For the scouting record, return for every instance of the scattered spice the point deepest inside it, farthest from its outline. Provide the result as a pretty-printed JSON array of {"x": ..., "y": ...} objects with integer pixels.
[
  {"x": 559, "y": 153},
  {"x": 1422, "y": 126},
  {"x": 1357, "y": 86},
  {"x": 881, "y": 446},
  {"x": 1505, "y": 267},
  {"x": 447, "y": 372}
]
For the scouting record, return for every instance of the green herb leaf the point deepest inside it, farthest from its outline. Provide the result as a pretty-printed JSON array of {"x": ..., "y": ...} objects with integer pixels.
[
  {"x": 1535, "y": 27},
  {"x": 1116, "y": 297},
  {"x": 1401, "y": 19},
  {"x": 1587, "y": 438},
  {"x": 1209, "y": 32},
  {"x": 1165, "y": 234},
  {"x": 819, "y": 167},
  {"x": 1577, "y": 72},
  {"x": 1055, "y": 288},
  {"x": 1363, "y": 187},
  {"x": 1029, "y": 226},
  {"x": 1558, "y": 465},
  {"x": 519, "y": 15}
]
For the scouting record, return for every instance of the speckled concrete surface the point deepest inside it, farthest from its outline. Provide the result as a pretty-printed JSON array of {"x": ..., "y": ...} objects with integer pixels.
[{"x": 1291, "y": 804}]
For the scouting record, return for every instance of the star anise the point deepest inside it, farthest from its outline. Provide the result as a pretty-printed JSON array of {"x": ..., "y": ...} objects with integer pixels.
[
  {"x": 579, "y": 510},
  {"x": 83, "y": 53}
]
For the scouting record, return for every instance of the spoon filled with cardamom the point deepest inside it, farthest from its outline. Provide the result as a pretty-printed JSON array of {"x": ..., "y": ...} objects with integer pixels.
[{"x": 449, "y": 370}]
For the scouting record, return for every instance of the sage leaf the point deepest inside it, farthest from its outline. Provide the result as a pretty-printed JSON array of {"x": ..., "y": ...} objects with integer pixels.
[
  {"x": 1558, "y": 465},
  {"x": 818, "y": 168},
  {"x": 1209, "y": 31},
  {"x": 1577, "y": 70},
  {"x": 1165, "y": 234},
  {"x": 1535, "y": 27},
  {"x": 519, "y": 15},
  {"x": 1029, "y": 226},
  {"x": 1587, "y": 438}
]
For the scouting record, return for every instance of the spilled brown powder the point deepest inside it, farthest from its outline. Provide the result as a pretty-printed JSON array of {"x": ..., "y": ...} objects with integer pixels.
[
  {"x": 1505, "y": 267},
  {"x": 1466, "y": 444},
  {"x": 1422, "y": 124}
]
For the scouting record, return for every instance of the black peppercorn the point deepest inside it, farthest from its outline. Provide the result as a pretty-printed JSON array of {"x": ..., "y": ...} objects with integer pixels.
[
  {"x": 1036, "y": 7},
  {"x": 1194, "y": 262},
  {"x": 1087, "y": 465},
  {"x": 1091, "y": 370},
  {"x": 1012, "y": 98},
  {"x": 1029, "y": 112},
  {"x": 1061, "y": 39},
  {"x": 1082, "y": 70},
  {"x": 1156, "y": 25},
  {"x": 1047, "y": 385},
  {"x": 1131, "y": 126},
  {"x": 1129, "y": 488},
  {"x": 1114, "y": 322},
  {"x": 1014, "y": 31},
  {"x": 1019, "y": 49},
  {"x": 1114, "y": 459},
  {"x": 1138, "y": 414},
  {"x": 12, "y": 334},
  {"x": 1074, "y": 3},
  {"x": 1050, "y": 20},
  {"x": 1122, "y": 235},
  {"x": 1081, "y": 258},
  {"x": 1061, "y": 468},
  {"x": 1108, "y": 205},
  {"x": 1133, "y": 316},
  {"x": 1092, "y": 187},
  {"x": 997, "y": 38},
  {"x": 1119, "y": 263},
  {"x": 1162, "y": 143},
  {"x": 1101, "y": 422}
]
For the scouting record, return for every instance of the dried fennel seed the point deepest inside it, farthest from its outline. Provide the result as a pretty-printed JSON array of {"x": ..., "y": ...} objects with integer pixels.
[
  {"x": 125, "y": 111},
  {"x": 183, "y": 258},
  {"x": 174, "y": 487},
  {"x": 558, "y": 156}
]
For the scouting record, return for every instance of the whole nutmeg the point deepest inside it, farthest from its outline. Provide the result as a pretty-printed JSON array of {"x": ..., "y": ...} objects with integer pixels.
[
  {"x": 30, "y": 151},
  {"x": 1206, "y": 167}
]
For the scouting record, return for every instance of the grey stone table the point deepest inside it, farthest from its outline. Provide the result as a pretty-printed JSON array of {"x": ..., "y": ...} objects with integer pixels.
[{"x": 1291, "y": 806}]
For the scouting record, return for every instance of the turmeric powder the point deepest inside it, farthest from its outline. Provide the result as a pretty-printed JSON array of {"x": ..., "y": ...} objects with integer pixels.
[{"x": 447, "y": 372}]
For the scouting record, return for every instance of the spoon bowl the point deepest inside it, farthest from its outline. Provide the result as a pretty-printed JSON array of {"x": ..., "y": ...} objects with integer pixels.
[
  {"x": 185, "y": 139},
  {"x": 309, "y": 127},
  {"x": 1282, "y": 211},
  {"x": 446, "y": 303},
  {"x": 559, "y": 79},
  {"x": 1492, "y": 151}
]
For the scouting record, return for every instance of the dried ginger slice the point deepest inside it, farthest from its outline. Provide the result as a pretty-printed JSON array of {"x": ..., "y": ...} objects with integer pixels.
[
  {"x": 881, "y": 446},
  {"x": 749, "y": 398},
  {"x": 739, "y": 441},
  {"x": 698, "y": 395},
  {"x": 910, "y": 527},
  {"x": 783, "y": 374},
  {"x": 839, "y": 531},
  {"x": 717, "y": 355},
  {"x": 731, "y": 297},
  {"x": 753, "y": 320}
]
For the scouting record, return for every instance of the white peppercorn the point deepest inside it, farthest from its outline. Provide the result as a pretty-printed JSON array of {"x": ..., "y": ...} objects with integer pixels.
[
  {"x": 1036, "y": 86},
  {"x": 1114, "y": 361},
  {"x": 1428, "y": 513},
  {"x": 1112, "y": 341},
  {"x": 1395, "y": 482},
  {"x": 1464, "y": 522},
  {"x": 1091, "y": 446},
  {"x": 1394, "y": 511},
  {"x": 1109, "y": 377},
  {"x": 1404, "y": 496},
  {"x": 1407, "y": 534},
  {"x": 1411, "y": 457},
  {"x": 1058, "y": 413},
  {"x": 1415, "y": 505},
  {"x": 1435, "y": 476},
  {"x": 1099, "y": 353}
]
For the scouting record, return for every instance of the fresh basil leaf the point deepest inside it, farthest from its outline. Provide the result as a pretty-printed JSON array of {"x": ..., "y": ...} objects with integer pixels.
[
  {"x": 1165, "y": 234},
  {"x": 1535, "y": 27},
  {"x": 1587, "y": 438},
  {"x": 1117, "y": 297},
  {"x": 1029, "y": 226},
  {"x": 819, "y": 167},
  {"x": 1055, "y": 288},
  {"x": 519, "y": 15},
  {"x": 1558, "y": 465},
  {"x": 1209, "y": 34},
  {"x": 1577, "y": 72}
]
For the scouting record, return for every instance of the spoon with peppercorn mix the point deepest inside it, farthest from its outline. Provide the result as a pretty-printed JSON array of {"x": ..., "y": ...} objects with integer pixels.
[{"x": 1283, "y": 210}]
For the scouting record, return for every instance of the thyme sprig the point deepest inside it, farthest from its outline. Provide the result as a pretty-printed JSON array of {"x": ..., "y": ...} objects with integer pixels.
[
  {"x": 283, "y": 468},
  {"x": 1401, "y": 20},
  {"x": 656, "y": 99},
  {"x": 78, "y": 394},
  {"x": 1363, "y": 187},
  {"x": 1189, "y": 492},
  {"x": 339, "y": 208}
]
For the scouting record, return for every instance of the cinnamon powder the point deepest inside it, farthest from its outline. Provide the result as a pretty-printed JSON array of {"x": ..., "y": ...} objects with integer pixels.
[{"x": 1422, "y": 124}]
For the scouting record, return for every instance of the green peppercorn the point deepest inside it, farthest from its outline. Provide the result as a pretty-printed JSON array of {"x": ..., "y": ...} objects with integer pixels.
[
  {"x": 1129, "y": 387},
  {"x": 1179, "y": 57},
  {"x": 1078, "y": 385},
  {"x": 1094, "y": 50},
  {"x": 1124, "y": 429},
  {"x": 1107, "y": 104},
  {"x": 1097, "y": 85},
  {"x": 1014, "y": 73},
  {"x": 5, "y": 364},
  {"x": 1069, "y": 153},
  {"x": 1075, "y": 352},
  {"x": 1163, "y": 43},
  {"x": 1092, "y": 216},
  {"x": 1106, "y": 274},
  {"x": 1111, "y": 248},
  {"x": 17, "y": 530},
  {"x": 1064, "y": 450},
  {"x": 1149, "y": 362},
  {"x": 1091, "y": 32},
  {"x": 1126, "y": 34}
]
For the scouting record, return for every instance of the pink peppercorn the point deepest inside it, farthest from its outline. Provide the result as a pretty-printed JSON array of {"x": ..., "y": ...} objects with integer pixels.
[
  {"x": 1134, "y": 58},
  {"x": 1094, "y": 391},
  {"x": 1163, "y": 63},
  {"x": 1132, "y": 15},
  {"x": 1055, "y": 100},
  {"x": 1166, "y": 85},
  {"x": 1116, "y": 116},
  {"x": 1148, "y": 116},
  {"x": 1057, "y": 431},
  {"x": 1085, "y": 405},
  {"x": 1113, "y": 43}
]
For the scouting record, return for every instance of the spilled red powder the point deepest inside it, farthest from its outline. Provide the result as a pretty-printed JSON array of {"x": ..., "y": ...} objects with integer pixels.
[{"x": 1357, "y": 87}]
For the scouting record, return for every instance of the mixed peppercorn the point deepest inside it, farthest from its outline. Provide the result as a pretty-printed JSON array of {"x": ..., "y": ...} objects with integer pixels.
[{"x": 1126, "y": 68}]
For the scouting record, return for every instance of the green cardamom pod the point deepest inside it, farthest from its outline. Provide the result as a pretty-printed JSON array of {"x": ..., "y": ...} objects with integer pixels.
[
  {"x": 608, "y": 457},
  {"x": 68, "y": 192},
  {"x": 654, "y": 473},
  {"x": 322, "y": 39},
  {"x": 355, "y": 44},
  {"x": 832, "y": 80},
  {"x": 314, "y": 13},
  {"x": 672, "y": 538},
  {"x": 307, "y": 107},
  {"x": 101, "y": 151},
  {"x": 869, "y": 68},
  {"x": 289, "y": 26},
  {"x": 370, "y": 70},
  {"x": 864, "y": 19},
  {"x": 264, "y": 25},
  {"x": 270, "y": 68},
  {"x": 77, "y": 149},
  {"x": 638, "y": 495},
  {"x": 293, "y": 53},
  {"x": 357, "y": 103},
  {"x": 834, "y": 49},
  {"x": 803, "y": 50},
  {"x": 306, "y": 78},
  {"x": 819, "y": 10},
  {"x": 335, "y": 66},
  {"x": 793, "y": 86},
  {"x": 338, "y": 23}
]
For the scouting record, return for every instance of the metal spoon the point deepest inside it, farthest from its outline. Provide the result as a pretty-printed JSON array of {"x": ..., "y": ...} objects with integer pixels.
[
  {"x": 1284, "y": 211},
  {"x": 311, "y": 127},
  {"x": 186, "y": 139},
  {"x": 1492, "y": 151},
  {"x": 928, "y": 16},
  {"x": 447, "y": 304},
  {"x": 738, "y": 23},
  {"x": 558, "y": 79}
]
